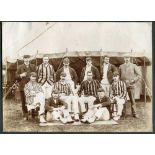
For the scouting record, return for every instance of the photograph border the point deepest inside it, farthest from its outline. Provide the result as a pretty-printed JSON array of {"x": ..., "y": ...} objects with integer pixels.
[{"x": 153, "y": 85}]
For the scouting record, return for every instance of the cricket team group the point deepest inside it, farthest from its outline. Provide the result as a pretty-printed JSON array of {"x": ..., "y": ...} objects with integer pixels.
[{"x": 58, "y": 96}]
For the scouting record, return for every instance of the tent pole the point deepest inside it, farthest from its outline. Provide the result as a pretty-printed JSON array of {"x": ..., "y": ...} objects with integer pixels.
[
  {"x": 17, "y": 63},
  {"x": 36, "y": 62},
  {"x": 144, "y": 82},
  {"x": 36, "y": 59}
]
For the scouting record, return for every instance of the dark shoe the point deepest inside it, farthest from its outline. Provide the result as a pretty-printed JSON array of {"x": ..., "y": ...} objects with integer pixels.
[
  {"x": 87, "y": 122},
  {"x": 135, "y": 116},
  {"x": 26, "y": 117}
]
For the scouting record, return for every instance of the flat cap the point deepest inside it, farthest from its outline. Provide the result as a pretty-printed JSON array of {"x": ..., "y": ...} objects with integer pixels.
[
  {"x": 88, "y": 58},
  {"x": 33, "y": 74},
  {"x": 63, "y": 74},
  {"x": 115, "y": 73},
  {"x": 55, "y": 91},
  {"x": 100, "y": 90}
]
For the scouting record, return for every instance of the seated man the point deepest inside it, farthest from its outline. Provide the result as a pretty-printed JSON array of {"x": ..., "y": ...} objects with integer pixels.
[
  {"x": 99, "y": 111},
  {"x": 66, "y": 96},
  {"x": 118, "y": 94},
  {"x": 56, "y": 109},
  {"x": 88, "y": 92},
  {"x": 35, "y": 96}
]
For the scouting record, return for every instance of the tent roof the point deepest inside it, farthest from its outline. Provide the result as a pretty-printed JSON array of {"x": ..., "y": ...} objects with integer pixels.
[
  {"x": 90, "y": 53},
  {"x": 117, "y": 57}
]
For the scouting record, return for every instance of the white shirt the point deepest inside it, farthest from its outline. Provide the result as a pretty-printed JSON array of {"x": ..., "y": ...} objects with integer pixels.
[
  {"x": 88, "y": 68},
  {"x": 105, "y": 71},
  {"x": 68, "y": 76}
]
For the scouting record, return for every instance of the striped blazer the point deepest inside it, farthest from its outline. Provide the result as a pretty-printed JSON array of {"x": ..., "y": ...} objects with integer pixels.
[
  {"x": 63, "y": 88},
  {"x": 118, "y": 89},
  {"x": 89, "y": 88},
  {"x": 45, "y": 73}
]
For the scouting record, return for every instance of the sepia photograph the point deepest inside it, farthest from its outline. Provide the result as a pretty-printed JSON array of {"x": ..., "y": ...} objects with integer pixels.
[{"x": 71, "y": 77}]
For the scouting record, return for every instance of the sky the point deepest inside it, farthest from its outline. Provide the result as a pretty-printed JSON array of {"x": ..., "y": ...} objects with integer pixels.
[{"x": 50, "y": 37}]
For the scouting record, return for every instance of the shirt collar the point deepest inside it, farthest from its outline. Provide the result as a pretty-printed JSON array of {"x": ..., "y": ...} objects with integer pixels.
[
  {"x": 45, "y": 65},
  {"x": 89, "y": 81},
  {"x": 88, "y": 66},
  {"x": 62, "y": 82},
  {"x": 105, "y": 64},
  {"x": 127, "y": 64},
  {"x": 27, "y": 65},
  {"x": 33, "y": 82}
]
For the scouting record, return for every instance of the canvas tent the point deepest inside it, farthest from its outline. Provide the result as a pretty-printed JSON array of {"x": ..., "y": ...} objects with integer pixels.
[
  {"x": 77, "y": 60},
  {"x": 81, "y": 39}
]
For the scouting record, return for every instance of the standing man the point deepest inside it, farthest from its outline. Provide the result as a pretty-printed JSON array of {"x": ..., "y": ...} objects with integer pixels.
[
  {"x": 71, "y": 76},
  {"x": 23, "y": 75},
  {"x": 107, "y": 71},
  {"x": 88, "y": 92},
  {"x": 89, "y": 67},
  {"x": 45, "y": 73},
  {"x": 130, "y": 74}
]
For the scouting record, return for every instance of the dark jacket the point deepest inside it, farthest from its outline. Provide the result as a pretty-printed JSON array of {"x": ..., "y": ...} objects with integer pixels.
[
  {"x": 72, "y": 73},
  {"x": 50, "y": 104},
  {"x": 95, "y": 72},
  {"x": 111, "y": 70},
  {"x": 105, "y": 101},
  {"x": 21, "y": 69}
]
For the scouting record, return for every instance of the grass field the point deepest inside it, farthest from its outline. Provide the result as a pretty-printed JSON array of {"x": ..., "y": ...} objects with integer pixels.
[{"x": 13, "y": 121}]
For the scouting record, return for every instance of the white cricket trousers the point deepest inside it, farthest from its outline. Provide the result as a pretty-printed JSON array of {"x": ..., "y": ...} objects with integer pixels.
[
  {"x": 83, "y": 100},
  {"x": 47, "y": 89},
  {"x": 72, "y": 103}
]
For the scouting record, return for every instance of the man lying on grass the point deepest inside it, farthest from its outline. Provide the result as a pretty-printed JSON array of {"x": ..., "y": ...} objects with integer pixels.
[
  {"x": 100, "y": 109},
  {"x": 57, "y": 109}
]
